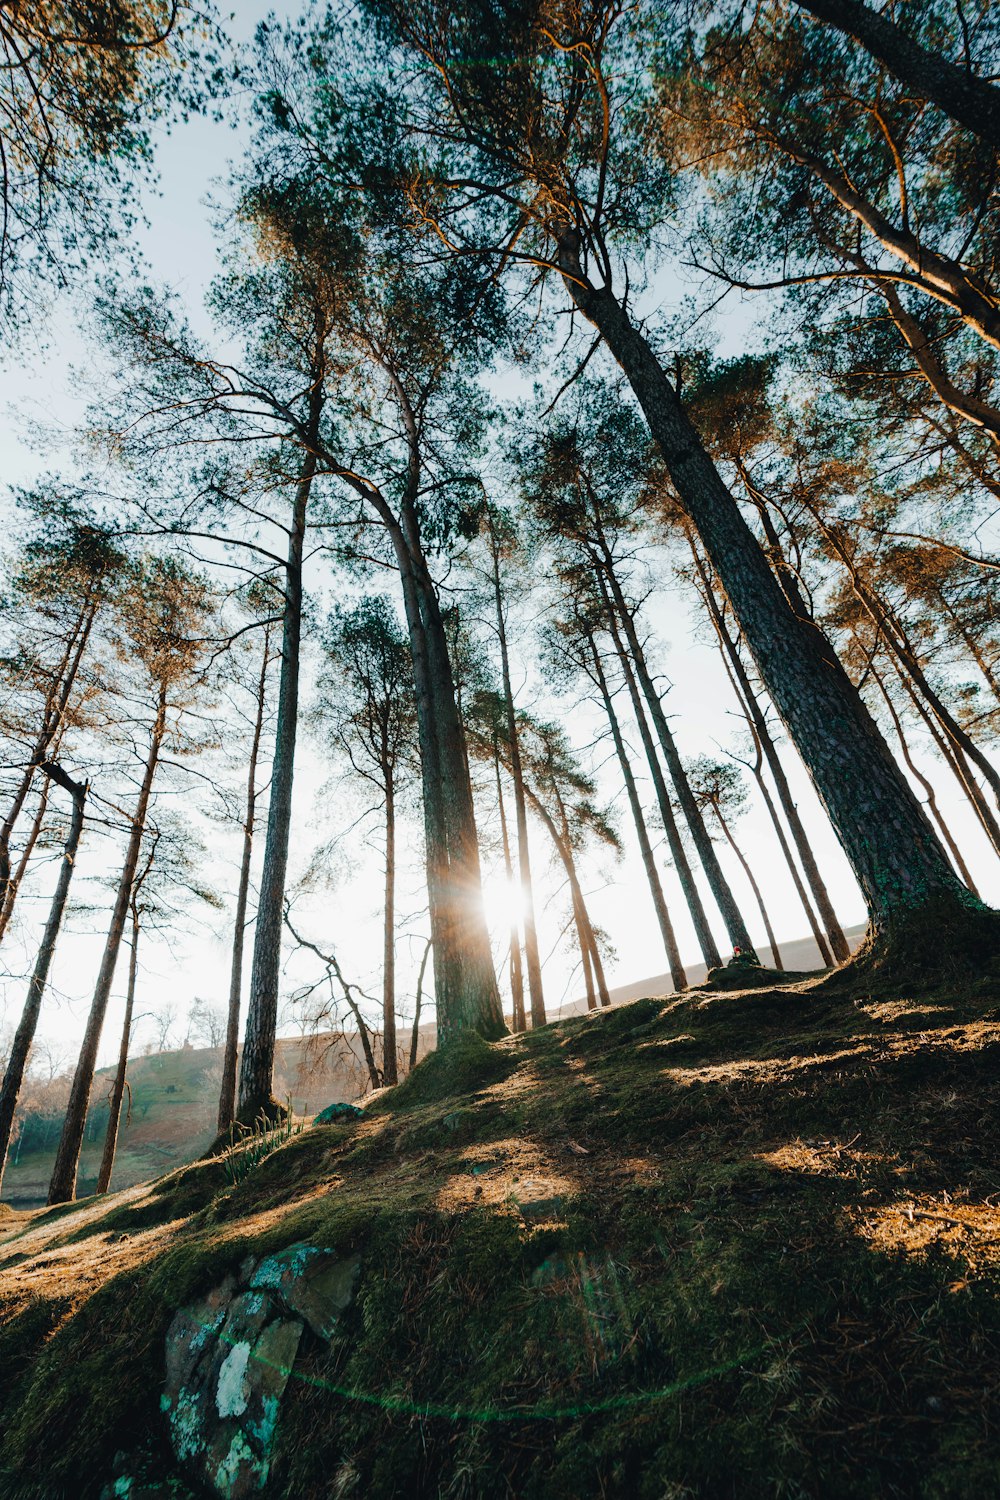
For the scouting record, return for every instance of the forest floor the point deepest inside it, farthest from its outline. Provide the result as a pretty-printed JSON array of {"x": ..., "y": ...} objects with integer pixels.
[{"x": 724, "y": 1244}]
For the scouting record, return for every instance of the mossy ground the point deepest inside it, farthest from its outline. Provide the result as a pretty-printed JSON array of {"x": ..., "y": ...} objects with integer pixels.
[{"x": 730, "y": 1244}]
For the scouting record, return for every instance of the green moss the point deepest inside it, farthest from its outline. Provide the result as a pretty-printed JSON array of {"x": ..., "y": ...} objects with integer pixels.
[
  {"x": 706, "y": 1313},
  {"x": 464, "y": 1065}
]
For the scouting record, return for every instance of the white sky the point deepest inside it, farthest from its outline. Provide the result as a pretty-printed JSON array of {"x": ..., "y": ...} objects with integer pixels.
[{"x": 180, "y": 247}]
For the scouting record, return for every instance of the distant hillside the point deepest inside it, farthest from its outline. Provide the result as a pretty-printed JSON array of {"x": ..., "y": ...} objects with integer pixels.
[
  {"x": 175, "y": 1094},
  {"x": 173, "y": 1111},
  {"x": 799, "y": 955}
]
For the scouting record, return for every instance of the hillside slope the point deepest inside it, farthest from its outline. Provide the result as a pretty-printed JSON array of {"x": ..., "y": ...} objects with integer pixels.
[
  {"x": 175, "y": 1094},
  {"x": 720, "y": 1245}
]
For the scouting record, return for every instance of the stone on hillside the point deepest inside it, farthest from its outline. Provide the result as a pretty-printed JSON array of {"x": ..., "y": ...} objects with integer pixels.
[
  {"x": 230, "y": 1356},
  {"x": 311, "y": 1284},
  {"x": 335, "y": 1114}
]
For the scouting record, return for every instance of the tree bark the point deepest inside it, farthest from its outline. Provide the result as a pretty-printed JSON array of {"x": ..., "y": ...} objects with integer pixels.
[
  {"x": 917, "y": 774},
  {"x": 706, "y": 941},
  {"x": 415, "y": 1036},
  {"x": 25, "y": 1034},
  {"x": 970, "y": 101},
  {"x": 52, "y": 718},
  {"x": 953, "y": 759},
  {"x": 227, "y": 1090},
  {"x": 772, "y": 940},
  {"x": 677, "y": 974},
  {"x": 839, "y": 947},
  {"x": 118, "y": 1086},
  {"x": 518, "y": 1017},
  {"x": 256, "y": 1097},
  {"x": 464, "y": 980},
  {"x": 899, "y": 863},
  {"x": 739, "y": 936},
  {"x": 16, "y": 877},
  {"x": 585, "y": 963},
  {"x": 532, "y": 960},
  {"x": 390, "y": 1071},
  {"x": 564, "y": 848},
  {"x": 62, "y": 1187},
  {"x": 892, "y": 631}
]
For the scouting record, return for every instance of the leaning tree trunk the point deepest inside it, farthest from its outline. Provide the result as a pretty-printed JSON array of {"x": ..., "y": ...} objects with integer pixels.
[
  {"x": 256, "y": 1097},
  {"x": 564, "y": 848},
  {"x": 971, "y": 101},
  {"x": 227, "y": 1090},
  {"x": 928, "y": 786},
  {"x": 706, "y": 941},
  {"x": 415, "y": 1034},
  {"x": 748, "y": 872},
  {"x": 739, "y": 936},
  {"x": 516, "y": 976},
  {"x": 44, "y": 747},
  {"x": 118, "y": 1086},
  {"x": 465, "y": 983},
  {"x": 919, "y": 909},
  {"x": 893, "y": 632},
  {"x": 390, "y": 1071},
  {"x": 532, "y": 959},
  {"x": 677, "y": 974},
  {"x": 20, "y": 1050},
  {"x": 839, "y": 946},
  {"x": 474, "y": 1000},
  {"x": 585, "y": 961},
  {"x": 62, "y": 1187},
  {"x": 17, "y": 876}
]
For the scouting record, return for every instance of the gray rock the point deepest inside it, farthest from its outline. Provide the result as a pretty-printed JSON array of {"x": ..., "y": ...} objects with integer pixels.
[
  {"x": 231, "y": 1354},
  {"x": 311, "y": 1283}
]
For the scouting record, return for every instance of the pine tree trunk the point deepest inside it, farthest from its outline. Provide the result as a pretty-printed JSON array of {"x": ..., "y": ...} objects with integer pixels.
[
  {"x": 564, "y": 848},
  {"x": 25, "y": 1034},
  {"x": 465, "y": 984},
  {"x": 677, "y": 974},
  {"x": 772, "y": 940},
  {"x": 732, "y": 917},
  {"x": 899, "y": 863},
  {"x": 15, "y": 879},
  {"x": 706, "y": 941},
  {"x": 390, "y": 1073},
  {"x": 52, "y": 720},
  {"x": 256, "y": 1096},
  {"x": 227, "y": 1089},
  {"x": 839, "y": 947},
  {"x": 473, "y": 1001},
  {"x": 118, "y": 1086},
  {"x": 518, "y": 1017},
  {"x": 62, "y": 1187},
  {"x": 953, "y": 759},
  {"x": 917, "y": 774},
  {"x": 971, "y": 101},
  {"x": 415, "y": 1035},
  {"x": 532, "y": 960},
  {"x": 892, "y": 631}
]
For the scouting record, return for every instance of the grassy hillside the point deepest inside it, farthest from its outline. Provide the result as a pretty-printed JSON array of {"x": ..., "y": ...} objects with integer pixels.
[
  {"x": 719, "y": 1245},
  {"x": 175, "y": 1098}
]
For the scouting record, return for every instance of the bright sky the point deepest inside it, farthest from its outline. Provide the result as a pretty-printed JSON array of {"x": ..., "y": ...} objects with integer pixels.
[{"x": 180, "y": 247}]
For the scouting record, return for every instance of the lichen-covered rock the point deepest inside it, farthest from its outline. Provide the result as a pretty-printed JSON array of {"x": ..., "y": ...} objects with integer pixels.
[
  {"x": 231, "y": 1354},
  {"x": 335, "y": 1113},
  {"x": 311, "y": 1283}
]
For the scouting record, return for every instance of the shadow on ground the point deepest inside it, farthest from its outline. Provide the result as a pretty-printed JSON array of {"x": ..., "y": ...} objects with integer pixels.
[{"x": 730, "y": 1244}]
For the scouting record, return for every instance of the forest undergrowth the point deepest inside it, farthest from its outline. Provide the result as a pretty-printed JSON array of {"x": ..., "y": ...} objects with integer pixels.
[{"x": 741, "y": 1243}]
